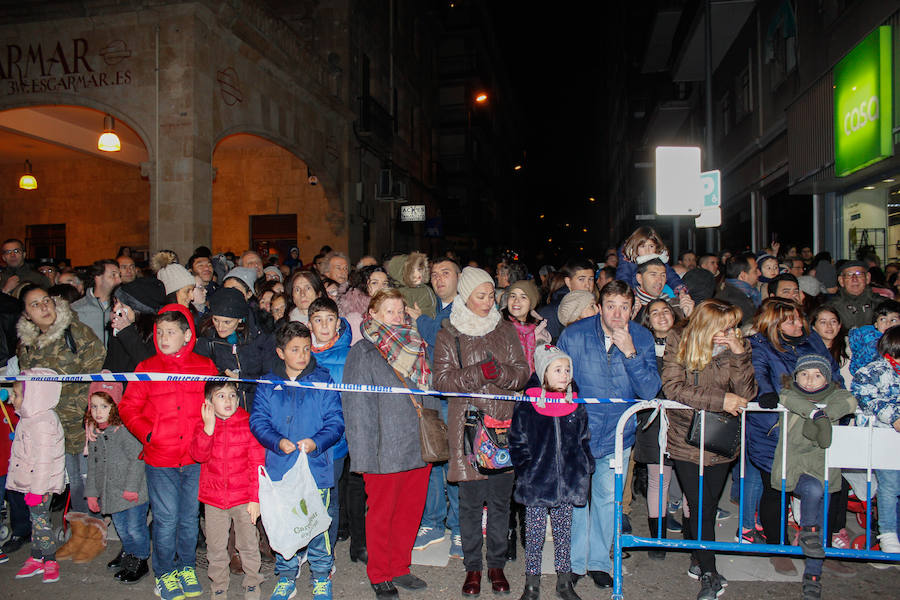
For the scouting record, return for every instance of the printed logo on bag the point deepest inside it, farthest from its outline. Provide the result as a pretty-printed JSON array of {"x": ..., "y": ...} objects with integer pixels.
[{"x": 310, "y": 526}]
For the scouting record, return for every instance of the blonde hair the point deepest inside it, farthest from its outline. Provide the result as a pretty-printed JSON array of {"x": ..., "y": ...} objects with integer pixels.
[
  {"x": 708, "y": 319},
  {"x": 770, "y": 316},
  {"x": 382, "y": 295},
  {"x": 639, "y": 237}
]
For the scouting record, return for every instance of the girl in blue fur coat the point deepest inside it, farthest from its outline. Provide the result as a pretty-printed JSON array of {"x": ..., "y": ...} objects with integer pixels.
[{"x": 550, "y": 447}]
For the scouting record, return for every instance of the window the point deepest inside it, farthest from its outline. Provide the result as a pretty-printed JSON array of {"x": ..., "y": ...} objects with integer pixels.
[
  {"x": 743, "y": 100},
  {"x": 725, "y": 115},
  {"x": 46, "y": 241}
]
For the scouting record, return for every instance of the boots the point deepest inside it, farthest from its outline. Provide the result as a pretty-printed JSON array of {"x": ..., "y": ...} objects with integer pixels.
[
  {"x": 77, "y": 526},
  {"x": 565, "y": 588},
  {"x": 116, "y": 563},
  {"x": 656, "y": 554},
  {"x": 511, "y": 544},
  {"x": 532, "y": 588},
  {"x": 133, "y": 569},
  {"x": 94, "y": 533}
]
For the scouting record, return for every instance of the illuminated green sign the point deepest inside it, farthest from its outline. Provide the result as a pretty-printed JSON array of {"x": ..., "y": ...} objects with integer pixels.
[{"x": 863, "y": 104}]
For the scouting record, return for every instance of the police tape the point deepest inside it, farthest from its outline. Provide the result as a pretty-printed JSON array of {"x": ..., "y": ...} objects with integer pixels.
[{"x": 316, "y": 385}]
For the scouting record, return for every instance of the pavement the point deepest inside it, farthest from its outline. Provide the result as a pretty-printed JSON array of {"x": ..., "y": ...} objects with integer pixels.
[{"x": 749, "y": 577}]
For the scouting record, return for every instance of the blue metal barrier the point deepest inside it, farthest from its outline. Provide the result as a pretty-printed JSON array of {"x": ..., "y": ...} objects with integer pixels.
[{"x": 621, "y": 541}]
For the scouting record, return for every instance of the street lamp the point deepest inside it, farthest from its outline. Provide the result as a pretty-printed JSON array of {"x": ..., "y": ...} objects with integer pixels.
[{"x": 481, "y": 97}]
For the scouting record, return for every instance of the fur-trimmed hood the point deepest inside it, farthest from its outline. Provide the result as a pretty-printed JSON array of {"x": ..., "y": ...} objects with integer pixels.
[
  {"x": 354, "y": 301},
  {"x": 31, "y": 335}
]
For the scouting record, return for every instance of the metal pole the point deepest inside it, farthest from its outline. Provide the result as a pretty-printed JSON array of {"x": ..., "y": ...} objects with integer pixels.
[{"x": 710, "y": 235}]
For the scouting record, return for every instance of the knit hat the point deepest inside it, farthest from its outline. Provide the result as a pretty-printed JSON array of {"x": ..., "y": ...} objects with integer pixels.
[
  {"x": 811, "y": 286},
  {"x": 814, "y": 361},
  {"x": 572, "y": 305},
  {"x": 274, "y": 269},
  {"x": 144, "y": 295},
  {"x": 246, "y": 275},
  {"x": 544, "y": 355},
  {"x": 228, "y": 302},
  {"x": 527, "y": 287},
  {"x": 175, "y": 277},
  {"x": 469, "y": 279},
  {"x": 113, "y": 388}
]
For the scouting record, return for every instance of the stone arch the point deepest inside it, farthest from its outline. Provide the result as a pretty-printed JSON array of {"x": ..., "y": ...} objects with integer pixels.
[{"x": 259, "y": 178}]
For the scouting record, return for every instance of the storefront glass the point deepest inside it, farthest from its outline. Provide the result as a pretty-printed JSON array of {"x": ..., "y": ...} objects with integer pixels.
[{"x": 871, "y": 217}]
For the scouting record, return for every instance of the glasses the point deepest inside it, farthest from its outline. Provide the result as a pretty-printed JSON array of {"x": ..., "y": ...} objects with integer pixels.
[
  {"x": 855, "y": 275},
  {"x": 12, "y": 251},
  {"x": 45, "y": 301}
]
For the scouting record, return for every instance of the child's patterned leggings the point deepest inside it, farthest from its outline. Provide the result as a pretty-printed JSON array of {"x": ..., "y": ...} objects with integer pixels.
[
  {"x": 43, "y": 542},
  {"x": 535, "y": 528}
]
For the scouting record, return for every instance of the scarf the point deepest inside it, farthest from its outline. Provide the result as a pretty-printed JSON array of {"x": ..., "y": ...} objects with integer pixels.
[
  {"x": 644, "y": 298},
  {"x": 751, "y": 292},
  {"x": 471, "y": 324},
  {"x": 401, "y": 346},
  {"x": 526, "y": 338}
]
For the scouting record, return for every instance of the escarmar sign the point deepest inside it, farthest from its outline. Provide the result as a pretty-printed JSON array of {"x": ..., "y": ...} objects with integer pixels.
[{"x": 863, "y": 104}]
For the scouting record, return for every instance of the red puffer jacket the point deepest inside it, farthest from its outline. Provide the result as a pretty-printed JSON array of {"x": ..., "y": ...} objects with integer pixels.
[
  {"x": 231, "y": 457},
  {"x": 162, "y": 415}
]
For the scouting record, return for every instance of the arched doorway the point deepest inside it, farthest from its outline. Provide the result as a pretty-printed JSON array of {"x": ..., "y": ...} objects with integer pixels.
[
  {"x": 263, "y": 199},
  {"x": 88, "y": 202}
]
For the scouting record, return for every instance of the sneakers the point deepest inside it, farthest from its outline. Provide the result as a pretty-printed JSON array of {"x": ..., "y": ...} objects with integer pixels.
[
  {"x": 722, "y": 514},
  {"x": 810, "y": 539},
  {"x": 284, "y": 589},
  {"x": 428, "y": 536},
  {"x": 168, "y": 587},
  {"x": 409, "y": 582},
  {"x": 51, "y": 571},
  {"x": 710, "y": 587},
  {"x": 673, "y": 525},
  {"x": 31, "y": 568},
  {"x": 456, "y": 546},
  {"x": 888, "y": 542},
  {"x": 321, "y": 588},
  {"x": 191, "y": 588},
  {"x": 750, "y": 536},
  {"x": 812, "y": 587},
  {"x": 841, "y": 539},
  {"x": 694, "y": 573},
  {"x": 3, "y": 557}
]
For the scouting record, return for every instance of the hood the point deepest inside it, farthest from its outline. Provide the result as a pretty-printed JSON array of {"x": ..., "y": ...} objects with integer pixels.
[
  {"x": 31, "y": 335},
  {"x": 353, "y": 301},
  {"x": 394, "y": 268},
  {"x": 40, "y": 396},
  {"x": 189, "y": 347}
]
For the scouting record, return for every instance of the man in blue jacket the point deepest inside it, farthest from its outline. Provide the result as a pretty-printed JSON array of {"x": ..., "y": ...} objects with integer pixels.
[{"x": 613, "y": 357}]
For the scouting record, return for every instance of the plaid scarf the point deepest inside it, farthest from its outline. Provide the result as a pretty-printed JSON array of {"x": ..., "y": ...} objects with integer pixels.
[{"x": 401, "y": 346}]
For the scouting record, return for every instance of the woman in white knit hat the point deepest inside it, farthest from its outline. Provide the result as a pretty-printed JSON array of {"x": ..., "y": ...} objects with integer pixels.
[{"x": 478, "y": 351}]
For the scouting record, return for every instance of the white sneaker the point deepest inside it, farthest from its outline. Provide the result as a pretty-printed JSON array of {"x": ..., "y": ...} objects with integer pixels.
[{"x": 888, "y": 542}]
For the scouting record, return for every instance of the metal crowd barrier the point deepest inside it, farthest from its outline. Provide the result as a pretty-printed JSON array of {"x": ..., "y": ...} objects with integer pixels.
[{"x": 866, "y": 448}]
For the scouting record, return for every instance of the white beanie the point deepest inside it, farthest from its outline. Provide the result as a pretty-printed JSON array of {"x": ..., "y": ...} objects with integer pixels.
[
  {"x": 544, "y": 355},
  {"x": 572, "y": 305},
  {"x": 469, "y": 279},
  {"x": 175, "y": 277}
]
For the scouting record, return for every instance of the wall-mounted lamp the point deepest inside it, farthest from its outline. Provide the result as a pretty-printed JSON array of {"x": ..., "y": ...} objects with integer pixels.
[
  {"x": 310, "y": 178},
  {"x": 109, "y": 141},
  {"x": 27, "y": 181}
]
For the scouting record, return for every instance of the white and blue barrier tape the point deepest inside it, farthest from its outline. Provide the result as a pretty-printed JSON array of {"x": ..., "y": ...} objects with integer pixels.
[{"x": 317, "y": 385}]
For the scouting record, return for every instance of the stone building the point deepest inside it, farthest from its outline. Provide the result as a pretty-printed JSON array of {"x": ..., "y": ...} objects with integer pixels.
[{"x": 227, "y": 112}]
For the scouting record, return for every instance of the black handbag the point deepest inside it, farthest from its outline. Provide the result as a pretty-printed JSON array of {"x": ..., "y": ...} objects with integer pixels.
[{"x": 723, "y": 433}]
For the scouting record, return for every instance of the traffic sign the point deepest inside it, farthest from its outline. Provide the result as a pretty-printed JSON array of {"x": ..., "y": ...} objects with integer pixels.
[{"x": 712, "y": 188}]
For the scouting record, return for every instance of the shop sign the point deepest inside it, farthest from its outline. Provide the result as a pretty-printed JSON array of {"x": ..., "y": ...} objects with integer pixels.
[
  {"x": 65, "y": 65},
  {"x": 412, "y": 213},
  {"x": 863, "y": 104}
]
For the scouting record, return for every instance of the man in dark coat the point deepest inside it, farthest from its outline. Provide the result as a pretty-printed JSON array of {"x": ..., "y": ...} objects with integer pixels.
[
  {"x": 855, "y": 301},
  {"x": 741, "y": 277}
]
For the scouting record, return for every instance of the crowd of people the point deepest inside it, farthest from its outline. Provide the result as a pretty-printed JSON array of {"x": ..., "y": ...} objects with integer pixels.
[{"x": 713, "y": 332}]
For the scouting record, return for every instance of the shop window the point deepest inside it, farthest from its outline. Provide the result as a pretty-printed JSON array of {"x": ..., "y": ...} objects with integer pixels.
[{"x": 46, "y": 241}]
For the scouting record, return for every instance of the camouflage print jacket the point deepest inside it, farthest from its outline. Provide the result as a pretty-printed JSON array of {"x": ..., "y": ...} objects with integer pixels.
[{"x": 53, "y": 351}]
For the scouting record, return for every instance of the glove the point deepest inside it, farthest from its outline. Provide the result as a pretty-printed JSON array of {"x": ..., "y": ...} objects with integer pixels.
[
  {"x": 93, "y": 505},
  {"x": 33, "y": 499},
  {"x": 823, "y": 428},
  {"x": 768, "y": 400},
  {"x": 130, "y": 496},
  {"x": 490, "y": 368}
]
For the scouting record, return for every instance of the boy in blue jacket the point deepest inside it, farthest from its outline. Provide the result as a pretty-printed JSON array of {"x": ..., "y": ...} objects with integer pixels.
[{"x": 286, "y": 419}]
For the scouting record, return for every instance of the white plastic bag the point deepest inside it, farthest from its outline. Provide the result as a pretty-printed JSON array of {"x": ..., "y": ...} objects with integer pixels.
[{"x": 291, "y": 509}]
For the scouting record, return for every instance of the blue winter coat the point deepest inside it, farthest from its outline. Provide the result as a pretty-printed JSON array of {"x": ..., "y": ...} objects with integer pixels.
[
  {"x": 552, "y": 456},
  {"x": 610, "y": 375},
  {"x": 281, "y": 411},
  {"x": 429, "y": 327},
  {"x": 763, "y": 429},
  {"x": 333, "y": 361}
]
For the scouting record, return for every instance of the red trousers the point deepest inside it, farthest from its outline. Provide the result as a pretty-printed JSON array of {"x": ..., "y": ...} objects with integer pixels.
[{"x": 395, "y": 502}]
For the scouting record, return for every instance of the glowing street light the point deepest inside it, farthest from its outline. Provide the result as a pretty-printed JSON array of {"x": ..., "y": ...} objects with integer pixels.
[{"x": 481, "y": 97}]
